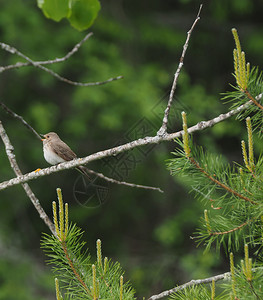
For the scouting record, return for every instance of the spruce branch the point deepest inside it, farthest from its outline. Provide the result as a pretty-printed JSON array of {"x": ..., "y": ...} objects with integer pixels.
[
  {"x": 246, "y": 265},
  {"x": 74, "y": 269},
  {"x": 61, "y": 225},
  {"x": 191, "y": 161},
  {"x": 219, "y": 183},
  {"x": 102, "y": 269},
  {"x": 242, "y": 70},
  {"x": 81, "y": 279}
]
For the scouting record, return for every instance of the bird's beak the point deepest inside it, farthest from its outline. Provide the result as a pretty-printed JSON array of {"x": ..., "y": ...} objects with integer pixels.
[{"x": 42, "y": 135}]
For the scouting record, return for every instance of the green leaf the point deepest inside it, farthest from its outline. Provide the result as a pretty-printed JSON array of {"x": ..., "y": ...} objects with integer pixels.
[
  {"x": 40, "y": 3},
  {"x": 55, "y": 9},
  {"x": 83, "y": 13}
]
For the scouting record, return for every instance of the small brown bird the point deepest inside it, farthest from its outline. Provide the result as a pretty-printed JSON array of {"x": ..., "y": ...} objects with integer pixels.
[{"x": 56, "y": 151}]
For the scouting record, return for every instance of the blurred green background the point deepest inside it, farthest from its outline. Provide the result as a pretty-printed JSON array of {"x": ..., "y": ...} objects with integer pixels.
[{"x": 147, "y": 232}]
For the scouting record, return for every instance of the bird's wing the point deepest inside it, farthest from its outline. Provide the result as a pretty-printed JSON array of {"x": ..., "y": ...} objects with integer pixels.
[{"x": 64, "y": 151}]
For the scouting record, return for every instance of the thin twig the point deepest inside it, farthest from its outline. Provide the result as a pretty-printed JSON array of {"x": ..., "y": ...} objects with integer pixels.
[
  {"x": 119, "y": 149},
  {"x": 48, "y": 62},
  {"x": 13, "y": 50},
  {"x": 231, "y": 230},
  {"x": 163, "y": 129},
  {"x": 13, "y": 114},
  {"x": 226, "y": 276},
  {"x": 12, "y": 159},
  {"x": 123, "y": 182}
]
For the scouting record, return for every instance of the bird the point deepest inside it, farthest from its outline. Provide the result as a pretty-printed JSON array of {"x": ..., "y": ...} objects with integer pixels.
[{"x": 56, "y": 151}]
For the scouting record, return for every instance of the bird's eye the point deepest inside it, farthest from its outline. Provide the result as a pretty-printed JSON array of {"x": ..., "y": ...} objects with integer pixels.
[{"x": 47, "y": 136}]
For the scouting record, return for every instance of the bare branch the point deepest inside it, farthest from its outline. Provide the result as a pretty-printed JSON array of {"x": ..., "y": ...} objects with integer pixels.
[
  {"x": 12, "y": 159},
  {"x": 163, "y": 129},
  {"x": 69, "y": 54},
  {"x": 123, "y": 182},
  {"x": 39, "y": 65},
  {"x": 119, "y": 149},
  {"x": 47, "y": 62},
  {"x": 226, "y": 276},
  {"x": 13, "y": 114}
]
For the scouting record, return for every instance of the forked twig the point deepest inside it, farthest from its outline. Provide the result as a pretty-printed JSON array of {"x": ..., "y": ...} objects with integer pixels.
[
  {"x": 47, "y": 62},
  {"x": 39, "y": 65},
  {"x": 163, "y": 129}
]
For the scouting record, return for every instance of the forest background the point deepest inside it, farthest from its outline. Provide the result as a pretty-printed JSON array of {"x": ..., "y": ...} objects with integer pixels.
[{"x": 146, "y": 231}]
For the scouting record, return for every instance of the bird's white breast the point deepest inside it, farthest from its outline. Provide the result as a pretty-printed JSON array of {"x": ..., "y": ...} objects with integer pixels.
[{"x": 51, "y": 157}]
